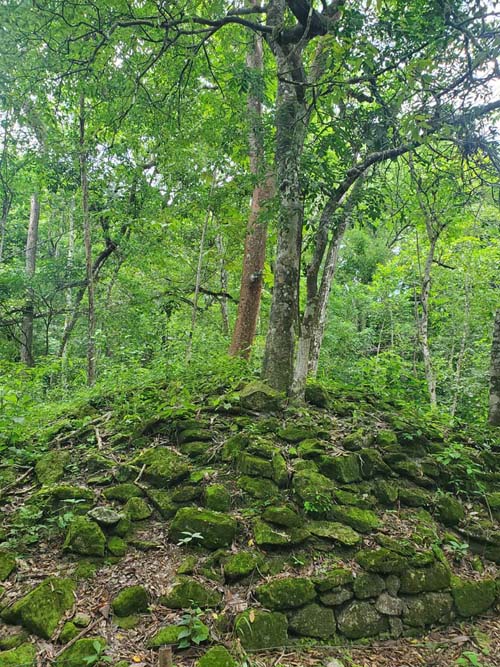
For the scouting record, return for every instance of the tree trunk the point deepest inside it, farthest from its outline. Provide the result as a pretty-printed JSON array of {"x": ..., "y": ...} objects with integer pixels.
[
  {"x": 423, "y": 324},
  {"x": 292, "y": 117},
  {"x": 198, "y": 280},
  {"x": 494, "y": 411},
  {"x": 255, "y": 242},
  {"x": 6, "y": 204},
  {"x": 29, "y": 310},
  {"x": 87, "y": 233},
  {"x": 219, "y": 242}
]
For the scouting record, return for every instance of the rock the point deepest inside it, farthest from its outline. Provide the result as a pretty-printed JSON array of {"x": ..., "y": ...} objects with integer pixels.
[
  {"x": 368, "y": 585},
  {"x": 344, "y": 469},
  {"x": 13, "y": 640},
  {"x": 127, "y": 622},
  {"x": 105, "y": 516},
  {"x": 393, "y": 584},
  {"x": 283, "y": 516},
  {"x": 363, "y": 499},
  {"x": 280, "y": 470},
  {"x": 68, "y": 632},
  {"x": 186, "y": 593},
  {"x": 77, "y": 654},
  {"x": 361, "y": 520},
  {"x": 85, "y": 537},
  {"x": 258, "y": 629},
  {"x": 259, "y": 397},
  {"x": 218, "y": 530},
  {"x": 311, "y": 449},
  {"x": 286, "y": 593},
  {"x": 360, "y": 619},
  {"x": 217, "y": 656},
  {"x": 427, "y": 609},
  {"x": 163, "y": 467},
  {"x": 241, "y": 565},
  {"x": 312, "y": 487},
  {"x": 317, "y": 395},
  {"x": 391, "y": 606},
  {"x": 69, "y": 492},
  {"x": 386, "y": 492},
  {"x": 122, "y": 492},
  {"x": 313, "y": 621},
  {"x": 450, "y": 510},
  {"x": 336, "y": 532},
  {"x": 162, "y": 501},
  {"x": 395, "y": 627},
  {"x": 217, "y": 498},
  {"x": 333, "y": 579},
  {"x": 266, "y": 535},
  {"x": 164, "y": 637},
  {"x": 382, "y": 561},
  {"x": 81, "y": 619},
  {"x": 296, "y": 433},
  {"x": 195, "y": 434},
  {"x": 427, "y": 579},
  {"x": 117, "y": 546},
  {"x": 42, "y": 608},
  {"x": 7, "y": 564},
  {"x": 414, "y": 497},
  {"x": 473, "y": 597},
  {"x": 123, "y": 527},
  {"x": 262, "y": 489},
  {"x": 131, "y": 600},
  {"x": 386, "y": 437},
  {"x": 336, "y": 596},
  {"x": 137, "y": 509},
  {"x": 255, "y": 466},
  {"x": 357, "y": 440},
  {"x": 372, "y": 464},
  {"x": 24, "y": 655},
  {"x": 49, "y": 468}
]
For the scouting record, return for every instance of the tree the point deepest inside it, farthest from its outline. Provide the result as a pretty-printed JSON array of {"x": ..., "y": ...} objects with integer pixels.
[
  {"x": 494, "y": 407},
  {"x": 29, "y": 309}
]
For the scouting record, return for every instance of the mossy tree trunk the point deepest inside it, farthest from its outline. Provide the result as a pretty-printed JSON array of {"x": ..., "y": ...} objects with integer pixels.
[{"x": 494, "y": 411}]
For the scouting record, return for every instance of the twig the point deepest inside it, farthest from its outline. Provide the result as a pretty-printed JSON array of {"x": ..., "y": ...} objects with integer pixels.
[
  {"x": 98, "y": 438},
  {"x": 75, "y": 639},
  {"x": 140, "y": 474},
  {"x": 6, "y": 489}
]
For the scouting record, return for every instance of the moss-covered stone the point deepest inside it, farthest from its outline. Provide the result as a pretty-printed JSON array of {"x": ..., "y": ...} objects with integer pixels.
[
  {"x": 255, "y": 466},
  {"x": 186, "y": 493},
  {"x": 163, "y": 467},
  {"x": 296, "y": 433},
  {"x": 84, "y": 570},
  {"x": 13, "y": 640},
  {"x": 194, "y": 434},
  {"x": 123, "y": 492},
  {"x": 450, "y": 510},
  {"x": 81, "y": 619},
  {"x": 336, "y": 597},
  {"x": 186, "y": 593},
  {"x": 63, "y": 492},
  {"x": 414, "y": 497},
  {"x": 49, "y": 468},
  {"x": 360, "y": 619},
  {"x": 268, "y": 536},
  {"x": 218, "y": 530},
  {"x": 85, "y": 537},
  {"x": 427, "y": 609},
  {"x": 286, "y": 593},
  {"x": 258, "y": 629},
  {"x": 68, "y": 632},
  {"x": 361, "y": 520},
  {"x": 344, "y": 469},
  {"x": 130, "y": 600},
  {"x": 262, "y": 489},
  {"x": 368, "y": 585},
  {"x": 372, "y": 464},
  {"x": 217, "y": 498},
  {"x": 357, "y": 440},
  {"x": 242, "y": 564},
  {"x": 386, "y": 492},
  {"x": 77, "y": 654},
  {"x": 123, "y": 527},
  {"x": 283, "y": 515},
  {"x": 333, "y": 579},
  {"x": 217, "y": 656},
  {"x": 317, "y": 395},
  {"x": 309, "y": 486},
  {"x": 385, "y": 437},
  {"x": 473, "y": 597},
  {"x": 137, "y": 509},
  {"x": 426, "y": 579},
  {"x": 311, "y": 449},
  {"x": 382, "y": 561},
  {"x": 335, "y": 532},
  {"x": 42, "y": 608},
  {"x": 24, "y": 655},
  {"x": 162, "y": 501},
  {"x": 313, "y": 620},
  {"x": 127, "y": 622},
  {"x": 280, "y": 470},
  {"x": 164, "y": 637},
  {"x": 117, "y": 546},
  {"x": 7, "y": 564},
  {"x": 259, "y": 397},
  {"x": 105, "y": 516}
]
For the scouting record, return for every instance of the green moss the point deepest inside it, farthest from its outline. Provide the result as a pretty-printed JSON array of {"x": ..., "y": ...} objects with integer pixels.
[
  {"x": 77, "y": 654},
  {"x": 163, "y": 467},
  {"x": 373, "y": 464},
  {"x": 386, "y": 492},
  {"x": 313, "y": 620},
  {"x": 311, "y": 449},
  {"x": 49, "y": 468},
  {"x": 8, "y": 642},
  {"x": 309, "y": 485},
  {"x": 84, "y": 570},
  {"x": 333, "y": 579},
  {"x": 294, "y": 434},
  {"x": 130, "y": 600},
  {"x": 473, "y": 597},
  {"x": 217, "y": 498},
  {"x": 187, "y": 593},
  {"x": 414, "y": 497},
  {"x": 68, "y": 632},
  {"x": 127, "y": 622},
  {"x": 218, "y": 530},
  {"x": 24, "y": 655},
  {"x": 344, "y": 469},
  {"x": 117, "y": 546},
  {"x": 194, "y": 434},
  {"x": 168, "y": 635},
  {"x": 450, "y": 510},
  {"x": 368, "y": 585},
  {"x": 382, "y": 561},
  {"x": 85, "y": 537},
  {"x": 361, "y": 520},
  {"x": 217, "y": 656},
  {"x": 188, "y": 565},
  {"x": 69, "y": 492},
  {"x": 266, "y": 535},
  {"x": 317, "y": 395},
  {"x": 427, "y": 579},
  {"x": 280, "y": 470},
  {"x": 386, "y": 437},
  {"x": 259, "y": 397},
  {"x": 427, "y": 609},
  {"x": 361, "y": 619},
  {"x": 286, "y": 593},
  {"x": 241, "y": 565},
  {"x": 7, "y": 564},
  {"x": 162, "y": 501},
  {"x": 186, "y": 493},
  {"x": 283, "y": 515},
  {"x": 262, "y": 489},
  {"x": 255, "y": 466},
  {"x": 42, "y": 608},
  {"x": 258, "y": 630},
  {"x": 336, "y": 532},
  {"x": 122, "y": 492},
  {"x": 137, "y": 509}
]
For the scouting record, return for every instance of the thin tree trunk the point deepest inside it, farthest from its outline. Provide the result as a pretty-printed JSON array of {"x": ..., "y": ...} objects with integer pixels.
[
  {"x": 423, "y": 324},
  {"x": 29, "y": 310},
  {"x": 463, "y": 349},
  {"x": 223, "y": 284},
  {"x": 69, "y": 295},
  {"x": 6, "y": 204},
  {"x": 494, "y": 408},
  {"x": 87, "y": 233},
  {"x": 198, "y": 281},
  {"x": 255, "y": 242}
]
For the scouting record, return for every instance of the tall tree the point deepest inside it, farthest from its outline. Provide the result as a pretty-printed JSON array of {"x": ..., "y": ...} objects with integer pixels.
[
  {"x": 494, "y": 408},
  {"x": 29, "y": 309}
]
